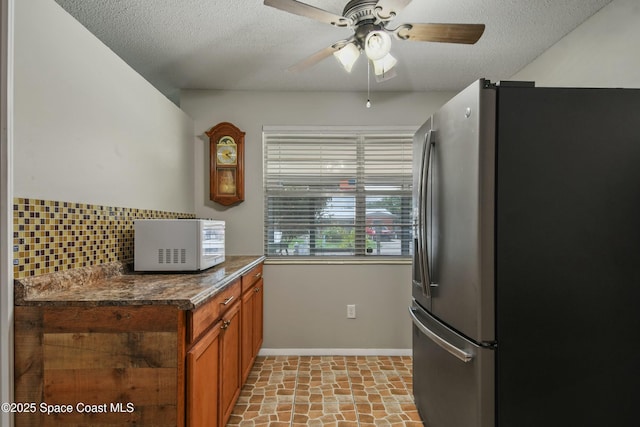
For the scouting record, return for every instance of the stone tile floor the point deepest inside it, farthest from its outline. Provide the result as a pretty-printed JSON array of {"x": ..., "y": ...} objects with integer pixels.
[{"x": 327, "y": 391}]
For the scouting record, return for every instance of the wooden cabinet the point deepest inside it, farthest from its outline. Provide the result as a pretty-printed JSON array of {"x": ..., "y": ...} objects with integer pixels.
[
  {"x": 222, "y": 381},
  {"x": 247, "y": 336},
  {"x": 138, "y": 364},
  {"x": 230, "y": 376},
  {"x": 252, "y": 329},
  {"x": 105, "y": 365},
  {"x": 205, "y": 316},
  {"x": 258, "y": 322},
  {"x": 237, "y": 314},
  {"x": 202, "y": 373}
]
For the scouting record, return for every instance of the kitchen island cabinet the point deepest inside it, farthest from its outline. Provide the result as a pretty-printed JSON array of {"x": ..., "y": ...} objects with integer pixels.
[{"x": 162, "y": 349}]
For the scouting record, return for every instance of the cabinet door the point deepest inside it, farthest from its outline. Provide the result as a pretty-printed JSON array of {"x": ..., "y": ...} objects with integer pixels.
[
  {"x": 202, "y": 379},
  {"x": 258, "y": 303},
  {"x": 230, "y": 344},
  {"x": 247, "y": 314}
]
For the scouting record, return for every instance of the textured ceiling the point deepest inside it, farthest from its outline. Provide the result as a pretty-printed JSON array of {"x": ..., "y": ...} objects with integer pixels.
[{"x": 244, "y": 45}]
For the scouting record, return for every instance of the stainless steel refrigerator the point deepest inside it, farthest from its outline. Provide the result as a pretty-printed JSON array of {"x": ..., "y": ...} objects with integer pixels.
[{"x": 526, "y": 273}]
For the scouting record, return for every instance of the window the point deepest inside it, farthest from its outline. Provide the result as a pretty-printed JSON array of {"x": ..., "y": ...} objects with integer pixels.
[{"x": 337, "y": 192}]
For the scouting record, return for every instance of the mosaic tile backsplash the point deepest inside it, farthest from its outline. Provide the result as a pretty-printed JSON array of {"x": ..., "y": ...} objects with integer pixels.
[{"x": 51, "y": 236}]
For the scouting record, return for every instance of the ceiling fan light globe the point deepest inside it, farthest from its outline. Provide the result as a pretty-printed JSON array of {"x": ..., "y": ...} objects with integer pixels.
[
  {"x": 383, "y": 65},
  {"x": 377, "y": 45},
  {"x": 347, "y": 56}
]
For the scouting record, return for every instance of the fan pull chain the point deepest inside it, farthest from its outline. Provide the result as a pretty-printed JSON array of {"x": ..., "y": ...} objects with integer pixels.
[{"x": 368, "y": 104}]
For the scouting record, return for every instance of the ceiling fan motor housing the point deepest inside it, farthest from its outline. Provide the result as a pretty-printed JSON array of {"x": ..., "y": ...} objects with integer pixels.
[
  {"x": 363, "y": 30},
  {"x": 360, "y": 11},
  {"x": 362, "y": 14}
]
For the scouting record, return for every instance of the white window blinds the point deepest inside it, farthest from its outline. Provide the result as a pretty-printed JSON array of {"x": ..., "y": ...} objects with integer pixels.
[{"x": 337, "y": 193}]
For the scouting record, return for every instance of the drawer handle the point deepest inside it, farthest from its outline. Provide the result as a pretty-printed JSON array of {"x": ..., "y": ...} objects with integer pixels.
[
  {"x": 227, "y": 301},
  {"x": 259, "y": 275}
]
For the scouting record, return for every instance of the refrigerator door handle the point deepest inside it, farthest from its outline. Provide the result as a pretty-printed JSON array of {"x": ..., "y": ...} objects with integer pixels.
[
  {"x": 423, "y": 250},
  {"x": 461, "y": 354},
  {"x": 420, "y": 226},
  {"x": 429, "y": 257}
]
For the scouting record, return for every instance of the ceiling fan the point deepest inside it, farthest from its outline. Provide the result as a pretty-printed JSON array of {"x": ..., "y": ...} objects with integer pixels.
[{"x": 369, "y": 20}]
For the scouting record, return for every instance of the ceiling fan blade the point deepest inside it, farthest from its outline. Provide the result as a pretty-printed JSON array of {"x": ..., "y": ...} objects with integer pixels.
[
  {"x": 387, "y": 9},
  {"x": 317, "y": 57},
  {"x": 442, "y": 33},
  {"x": 308, "y": 11}
]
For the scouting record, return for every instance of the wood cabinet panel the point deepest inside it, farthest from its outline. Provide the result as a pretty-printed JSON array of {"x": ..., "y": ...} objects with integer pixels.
[
  {"x": 82, "y": 360},
  {"x": 202, "y": 379},
  {"x": 107, "y": 319},
  {"x": 246, "y": 357},
  {"x": 251, "y": 277},
  {"x": 252, "y": 326},
  {"x": 258, "y": 316},
  {"x": 203, "y": 317},
  {"x": 127, "y": 350},
  {"x": 230, "y": 375}
]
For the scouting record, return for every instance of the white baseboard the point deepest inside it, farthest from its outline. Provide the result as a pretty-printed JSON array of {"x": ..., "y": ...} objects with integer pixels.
[{"x": 335, "y": 352}]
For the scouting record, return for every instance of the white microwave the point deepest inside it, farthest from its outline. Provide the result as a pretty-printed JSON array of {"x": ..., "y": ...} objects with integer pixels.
[{"x": 177, "y": 244}]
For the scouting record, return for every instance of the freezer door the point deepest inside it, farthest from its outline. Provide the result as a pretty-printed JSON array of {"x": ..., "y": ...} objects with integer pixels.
[
  {"x": 461, "y": 217},
  {"x": 453, "y": 378}
]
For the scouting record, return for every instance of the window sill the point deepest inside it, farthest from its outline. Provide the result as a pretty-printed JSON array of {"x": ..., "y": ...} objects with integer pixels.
[{"x": 338, "y": 260}]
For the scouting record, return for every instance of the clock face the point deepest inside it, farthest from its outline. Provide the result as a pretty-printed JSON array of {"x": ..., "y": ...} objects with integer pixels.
[{"x": 227, "y": 151}]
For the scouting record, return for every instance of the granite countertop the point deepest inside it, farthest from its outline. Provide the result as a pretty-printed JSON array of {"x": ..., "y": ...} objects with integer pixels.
[{"x": 114, "y": 284}]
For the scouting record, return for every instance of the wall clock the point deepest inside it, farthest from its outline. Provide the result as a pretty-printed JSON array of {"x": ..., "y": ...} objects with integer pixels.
[{"x": 226, "y": 159}]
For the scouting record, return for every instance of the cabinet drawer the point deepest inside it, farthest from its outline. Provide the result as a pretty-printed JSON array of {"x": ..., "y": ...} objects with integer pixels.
[
  {"x": 251, "y": 277},
  {"x": 205, "y": 316}
]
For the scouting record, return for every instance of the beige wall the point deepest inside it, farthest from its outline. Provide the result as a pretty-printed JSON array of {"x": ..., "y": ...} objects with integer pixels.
[
  {"x": 602, "y": 52},
  {"x": 305, "y": 308},
  {"x": 88, "y": 128},
  {"x": 305, "y": 305}
]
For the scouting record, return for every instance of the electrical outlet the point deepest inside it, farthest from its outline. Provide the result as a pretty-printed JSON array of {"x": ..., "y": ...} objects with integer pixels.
[{"x": 351, "y": 311}]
